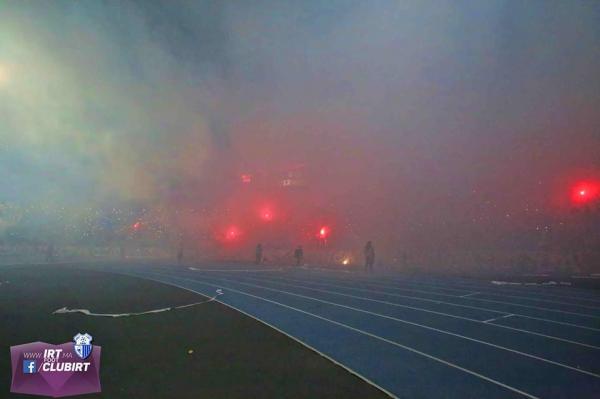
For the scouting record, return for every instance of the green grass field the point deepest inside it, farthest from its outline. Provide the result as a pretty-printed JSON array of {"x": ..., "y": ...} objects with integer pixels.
[{"x": 147, "y": 356}]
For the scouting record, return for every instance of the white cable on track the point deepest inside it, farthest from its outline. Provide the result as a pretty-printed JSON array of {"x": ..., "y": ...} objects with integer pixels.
[{"x": 88, "y": 313}]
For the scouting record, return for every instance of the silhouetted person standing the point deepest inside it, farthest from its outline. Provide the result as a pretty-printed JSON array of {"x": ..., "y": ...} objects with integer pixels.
[
  {"x": 299, "y": 255},
  {"x": 180, "y": 255},
  {"x": 369, "y": 256},
  {"x": 50, "y": 253},
  {"x": 259, "y": 254}
]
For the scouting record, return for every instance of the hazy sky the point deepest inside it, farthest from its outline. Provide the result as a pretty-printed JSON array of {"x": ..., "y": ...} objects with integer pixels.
[{"x": 408, "y": 112}]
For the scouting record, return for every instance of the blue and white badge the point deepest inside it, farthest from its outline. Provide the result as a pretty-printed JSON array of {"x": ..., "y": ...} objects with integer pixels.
[{"x": 82, "y": 345}]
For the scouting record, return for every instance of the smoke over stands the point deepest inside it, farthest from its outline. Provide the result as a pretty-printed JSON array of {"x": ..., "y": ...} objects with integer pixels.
[{"x": 452, "y": 135}]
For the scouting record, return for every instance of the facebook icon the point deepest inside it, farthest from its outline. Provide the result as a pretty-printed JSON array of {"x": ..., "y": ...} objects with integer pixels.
[{"x": 29, "y": 367}]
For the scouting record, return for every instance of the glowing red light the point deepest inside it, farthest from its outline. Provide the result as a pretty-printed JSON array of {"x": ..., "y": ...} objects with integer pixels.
[
  {"x": 585, "y": 192},
  {"x": 246, "y": 178},
  {"x": 232, "y": 233},
  {"x": 266, "y": 214},
  {"x": 136, "y": 225},
  {"x": 324, "y": 232}
]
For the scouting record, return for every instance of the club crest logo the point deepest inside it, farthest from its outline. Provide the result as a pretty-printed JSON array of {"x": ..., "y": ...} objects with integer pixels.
[{"x": 82, "y": 345}]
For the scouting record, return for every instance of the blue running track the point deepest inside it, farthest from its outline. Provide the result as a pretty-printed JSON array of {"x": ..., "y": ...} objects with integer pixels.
[{"x": 420, "y": 337}]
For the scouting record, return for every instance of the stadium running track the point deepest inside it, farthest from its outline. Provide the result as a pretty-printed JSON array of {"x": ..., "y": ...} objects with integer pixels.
[{"x": 420, "y": 337}]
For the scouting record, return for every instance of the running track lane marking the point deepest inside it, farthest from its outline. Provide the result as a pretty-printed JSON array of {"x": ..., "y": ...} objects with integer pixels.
[
  {"x": 491, "y": 291},
  {"x": 439, "y": 302},
  {"x": 503, "y": 317},
  {"x": 434, "y": 312},
  {"x": 422, "y": 326},
  {"x": 236, "y": 270},
  {"x": 487, "y": 300},
  {"x": 526, "y": 298},
  {"x": 439, "y": 360},
  {"x": 362, "y": 377},
  {"x": 386, "y": 284}
]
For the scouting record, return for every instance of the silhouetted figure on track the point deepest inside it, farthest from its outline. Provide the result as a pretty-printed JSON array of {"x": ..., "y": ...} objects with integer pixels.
[
  {"x": 299, "y": 255},
  {"x": 180, "y": 255},
  {"x": 258, "y": 254},
  {"x": 369, "y": 256},
  {"x": 50, "y": 253}
]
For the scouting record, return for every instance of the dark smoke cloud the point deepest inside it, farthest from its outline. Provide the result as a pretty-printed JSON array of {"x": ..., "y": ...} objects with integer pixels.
[{"x": 424, "y": 123}]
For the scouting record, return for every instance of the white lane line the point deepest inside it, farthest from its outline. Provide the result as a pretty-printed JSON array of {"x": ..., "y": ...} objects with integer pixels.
[
  {"x": 441, "y": 302},
  {"x": 593, "y": 316},
  {"x": 593, "y": 299},
  {"x": 562, "y": 323},
  {"x": 394, "y": 343},
  {"x": 351, "y": 371},
  {"x": 526, "y": 298},
  {"x": 504, "y": 317},
  {"x": 459, "y": 287},
  {"x": 432, "y": 312},
  {"x": 551, "y": 288},
  {"x": 435, "y": 301},
  {"x": 324, "y": 269},
  {"x": 236, "y": 270},
  {"x": 416, "y": 325},
  {"x": 489, "y": 289},
  {"x": 220, "y": 292},
  {"x": 586, "y": 315}
]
